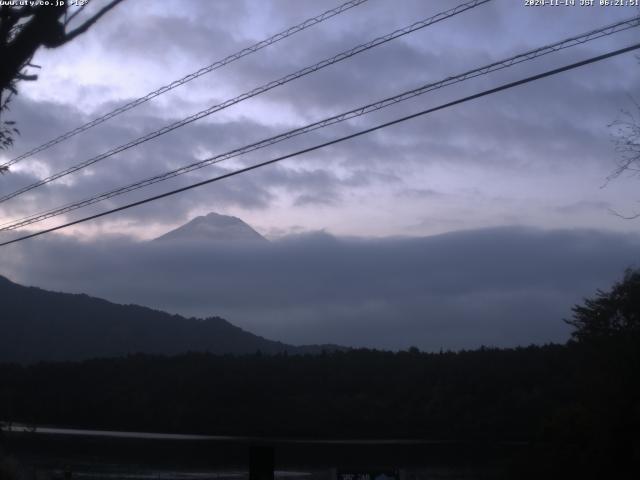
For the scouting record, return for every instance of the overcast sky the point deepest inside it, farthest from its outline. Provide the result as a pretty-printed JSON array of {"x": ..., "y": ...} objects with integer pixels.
[{"x": 536, "y": 157}]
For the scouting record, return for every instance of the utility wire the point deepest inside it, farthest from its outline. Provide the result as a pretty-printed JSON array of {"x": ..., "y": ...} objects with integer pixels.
[
  {"x": 484, "y": 93},
  {"x": 505, "y": 63},
  {"x": 257, "y": 91},
  {"x": 310, "y": 22}
]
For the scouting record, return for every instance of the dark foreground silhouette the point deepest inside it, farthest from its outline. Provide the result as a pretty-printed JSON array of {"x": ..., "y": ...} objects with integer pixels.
[{"x": 574, "y": 407}]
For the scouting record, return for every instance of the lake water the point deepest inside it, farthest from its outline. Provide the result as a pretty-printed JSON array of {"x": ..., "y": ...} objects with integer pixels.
[{"x": 52, "y": 453}]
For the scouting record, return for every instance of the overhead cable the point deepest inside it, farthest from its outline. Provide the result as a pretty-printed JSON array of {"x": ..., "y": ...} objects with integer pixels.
[
  {"x": 310, "y": 22},
  {"x": 484, "y": 93},
  {"x": 499, "y": 65},
  {"x": 257, "y": 91}
]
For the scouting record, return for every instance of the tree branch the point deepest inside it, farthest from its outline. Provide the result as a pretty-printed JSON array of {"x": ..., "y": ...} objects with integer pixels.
[
  {"x": 73, "y": 15},
  {"x": 28, "y": 78},
  {"x": 86, "y": 25},
  {"x": 632, "y": 217}
]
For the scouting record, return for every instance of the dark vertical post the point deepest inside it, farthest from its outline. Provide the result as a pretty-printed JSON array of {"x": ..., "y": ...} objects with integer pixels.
[{"x": 261, "y": 462}]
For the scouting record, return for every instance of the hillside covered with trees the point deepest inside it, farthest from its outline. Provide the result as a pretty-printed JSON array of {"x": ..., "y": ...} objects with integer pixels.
[{"x": 39, "y": 325}]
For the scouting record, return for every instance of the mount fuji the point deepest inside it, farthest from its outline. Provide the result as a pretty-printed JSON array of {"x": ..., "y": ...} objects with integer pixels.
[{"x": 214, "y": 228}]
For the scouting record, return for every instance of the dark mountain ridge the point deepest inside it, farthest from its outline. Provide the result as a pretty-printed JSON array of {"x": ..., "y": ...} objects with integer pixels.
[{"x": 39, "y": 325}]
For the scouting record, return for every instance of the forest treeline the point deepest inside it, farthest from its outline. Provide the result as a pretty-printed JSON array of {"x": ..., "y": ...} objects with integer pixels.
[
  {"x": 573, "y": 403},
  {"x": 502, "y": 394}
]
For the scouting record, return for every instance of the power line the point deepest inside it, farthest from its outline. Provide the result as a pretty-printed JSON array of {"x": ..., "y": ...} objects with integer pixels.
[
  {"x": 310, "y": 22},
  {"x": 484, "y": 93},
  {"x": 257, "y": 91},
  {"x": 505, "y": 63}
]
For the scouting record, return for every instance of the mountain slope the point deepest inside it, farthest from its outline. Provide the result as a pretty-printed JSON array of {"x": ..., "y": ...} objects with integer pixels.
[
  {"x": 214, "y": 228},
  {"x": 38, "y": 325}
]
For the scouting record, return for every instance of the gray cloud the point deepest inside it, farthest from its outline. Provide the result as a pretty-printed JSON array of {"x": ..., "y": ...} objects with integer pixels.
[
  {"x": 190, "y": 144},
  {"x": 582, "y": 207},
  {"x": 501, "y": 286},
  {"x": 536, "y": 155}
]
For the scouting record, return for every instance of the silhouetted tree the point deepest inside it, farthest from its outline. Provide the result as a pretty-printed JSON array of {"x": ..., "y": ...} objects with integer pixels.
[
  {"x": 24, "y": 29},
  {"x": 626, "y": 136},
  {"x": 610, "y": 313},
  {"x": 606, "y": 418}
]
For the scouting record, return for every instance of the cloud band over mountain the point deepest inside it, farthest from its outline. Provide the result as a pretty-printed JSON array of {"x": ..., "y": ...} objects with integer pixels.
[{"x": 498, "y": 286}]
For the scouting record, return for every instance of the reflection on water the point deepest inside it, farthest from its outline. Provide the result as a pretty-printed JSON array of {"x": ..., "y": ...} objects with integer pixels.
[
  {"x": 19, "y": 428},
  {"x": 96, "y": 472},
  {"x": 51, "y": 453}
]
